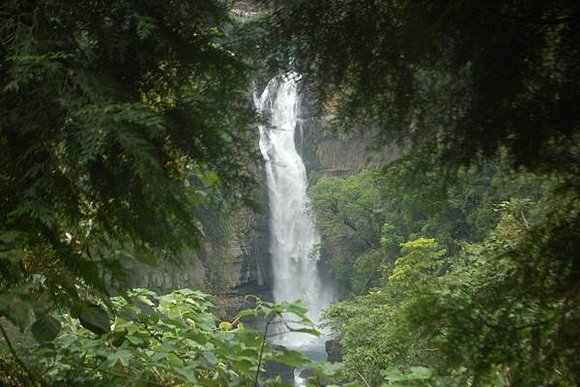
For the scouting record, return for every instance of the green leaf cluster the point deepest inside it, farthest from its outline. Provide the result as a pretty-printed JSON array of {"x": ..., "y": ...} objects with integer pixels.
[
  {"x": 498, "y": 310},
  {"x": 364, "y": 217},
  {"x": 172, "y": 339},
  {"x": 484, "y": 290},
  {"x": 470, "y": 77},
  {"x": 117, "y": 121}
]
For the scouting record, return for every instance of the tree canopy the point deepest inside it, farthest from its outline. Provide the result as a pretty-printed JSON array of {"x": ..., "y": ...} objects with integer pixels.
[
  {"x": 467, "y": 84},
  {"x": 470, "y": 76},
  {"x": 117, "y": 119}
]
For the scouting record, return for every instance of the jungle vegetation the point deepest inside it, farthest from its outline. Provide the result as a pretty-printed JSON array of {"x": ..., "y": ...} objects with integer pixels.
[{"x": 460, "y": 262}]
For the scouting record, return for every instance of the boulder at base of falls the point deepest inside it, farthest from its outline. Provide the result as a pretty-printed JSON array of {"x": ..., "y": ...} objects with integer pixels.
[{"x": 334, "y": 351}]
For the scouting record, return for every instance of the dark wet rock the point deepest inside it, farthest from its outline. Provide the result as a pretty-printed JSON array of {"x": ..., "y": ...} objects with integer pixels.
[
  {"x": 334, "y": 351},
  {"x": 307, "y": 373}
]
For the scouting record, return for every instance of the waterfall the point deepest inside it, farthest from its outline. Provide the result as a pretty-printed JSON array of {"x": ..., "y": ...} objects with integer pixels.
[{"x": 294, "y": 238}]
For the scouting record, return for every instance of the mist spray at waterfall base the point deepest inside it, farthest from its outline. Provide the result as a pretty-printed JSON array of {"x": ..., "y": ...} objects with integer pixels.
[{"x": 294, "y": 238}]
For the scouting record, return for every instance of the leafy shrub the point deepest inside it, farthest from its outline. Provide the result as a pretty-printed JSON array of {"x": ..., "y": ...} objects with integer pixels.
[{"x": 172, "y": 339}]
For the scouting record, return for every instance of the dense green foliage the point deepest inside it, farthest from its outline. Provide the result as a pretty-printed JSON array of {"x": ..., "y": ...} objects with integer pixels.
[
  {"x": 469, "y": 76},
  {"x": 464, "y": 283},
  {"x": 350, "y": 215},
  {"x": 479, "y": 265},
  {"x": 364, "y": 217},
  {"x": 117, "y": 120},
  {"x": 172, "y": 339}
]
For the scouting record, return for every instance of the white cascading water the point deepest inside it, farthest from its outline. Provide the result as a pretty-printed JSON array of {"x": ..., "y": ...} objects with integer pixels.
[{"x": 294, "y": 238}]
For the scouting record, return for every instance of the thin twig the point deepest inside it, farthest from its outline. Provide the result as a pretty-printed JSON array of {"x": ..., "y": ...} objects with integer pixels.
[
  {"x": 262, "y": 352},
  {"x": 525, "y": 220},
  {"x": 363, "y": 378}
]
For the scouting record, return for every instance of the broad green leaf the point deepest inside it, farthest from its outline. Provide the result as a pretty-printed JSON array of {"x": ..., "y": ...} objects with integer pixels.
[
  {"x": 310, "y": 331},
  {"x": 95, "y": 319},
  {"x": 158, "y": 356},
  {"x": 392, "y": 374},
  {"x": 210, "y": 357},
  {"x": 210, "y": 179},
  {"x": 45, "y": 328},
  {"x": 291, "y": 358},
  {"x": 297, "y": 308},
  {"x": 174, "y": 361},
  {"x": 246, "y": 313},
  {"x": 245, "y": 364},
  {"x": 328, "y": 369},
  {"x": 122, "y": 354},
  {"x": 187, "y": 374}
]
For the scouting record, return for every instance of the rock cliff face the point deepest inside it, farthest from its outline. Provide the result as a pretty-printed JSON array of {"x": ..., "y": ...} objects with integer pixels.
[
  {"x": 252, "y": 273},
  {"x": 237, "y": 262},
  {"x": 327, "y": 152}
]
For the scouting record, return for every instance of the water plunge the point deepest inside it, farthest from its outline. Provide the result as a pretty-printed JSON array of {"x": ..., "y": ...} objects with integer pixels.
[{"x": 294, "y": 238}]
